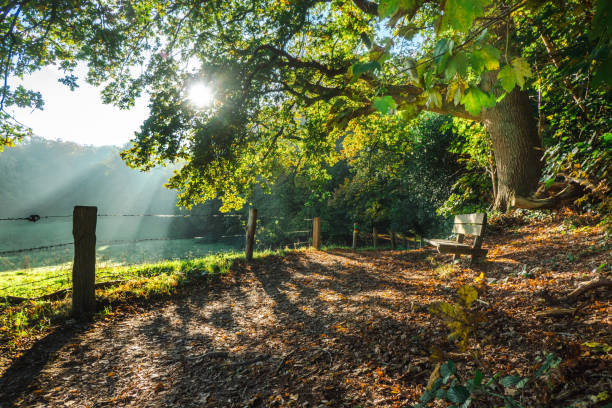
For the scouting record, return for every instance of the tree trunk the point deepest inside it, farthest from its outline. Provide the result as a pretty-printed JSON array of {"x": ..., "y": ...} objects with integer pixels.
[{"x": 517, "y": 147}]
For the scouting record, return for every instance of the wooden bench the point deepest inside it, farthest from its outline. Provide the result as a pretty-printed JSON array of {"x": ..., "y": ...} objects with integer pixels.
[{"x": 465, "y": 224}]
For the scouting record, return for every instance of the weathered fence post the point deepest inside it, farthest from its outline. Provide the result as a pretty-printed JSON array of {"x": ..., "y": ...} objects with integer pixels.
[
  {"x": 392, "y": 234},
  {"x": 405, "y": 240},
  {"x": 316, "y": 232},
  {"x": 355, "y": 236},
  {"x": 374, "y": 237},
  {"x": 250, "y": 234},
  {"x": 84, "y": 266}
]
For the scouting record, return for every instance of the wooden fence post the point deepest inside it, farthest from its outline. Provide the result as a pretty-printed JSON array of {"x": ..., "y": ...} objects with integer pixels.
[
  {"x": 392, "y": 235},
  {"x": 84, "y": 266},
  {"x": 355, "y": 236},
  {"x": 250, "y": 234},
  {"x": 316, "y": 233},
  {"x": 374, "y": 237},
  {"x": 405, "y": 240}
]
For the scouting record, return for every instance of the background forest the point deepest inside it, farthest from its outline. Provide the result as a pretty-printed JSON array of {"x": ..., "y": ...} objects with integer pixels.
[{"x": 401, "y": 180}]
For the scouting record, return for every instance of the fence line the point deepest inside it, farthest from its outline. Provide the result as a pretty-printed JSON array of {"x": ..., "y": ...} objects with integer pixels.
[
  {"x": 83, "y": 276},
  {"x": 15, "y": 251},
  {"x": 118, "y": 241},
  {"x": 36, "y": 217}
]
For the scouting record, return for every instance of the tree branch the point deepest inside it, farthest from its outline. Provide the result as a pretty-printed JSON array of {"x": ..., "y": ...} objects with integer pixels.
[{"x": 367, "y": 7}]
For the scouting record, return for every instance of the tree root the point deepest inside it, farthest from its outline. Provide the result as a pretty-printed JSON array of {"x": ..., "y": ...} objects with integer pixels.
[
  {"x": 586, "y": 287},
  {"x": 571, "y": 191}
]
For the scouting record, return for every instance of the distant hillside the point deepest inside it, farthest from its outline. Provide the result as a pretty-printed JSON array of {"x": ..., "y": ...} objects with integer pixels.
[{"x": 47, "y": 177}]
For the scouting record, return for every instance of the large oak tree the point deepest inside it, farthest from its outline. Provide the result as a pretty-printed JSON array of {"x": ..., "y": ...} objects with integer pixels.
[{"x": 291, "y": 76}]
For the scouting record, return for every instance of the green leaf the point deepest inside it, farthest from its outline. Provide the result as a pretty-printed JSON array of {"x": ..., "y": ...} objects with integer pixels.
[
  {"x": 443, "y": 46},
  {"x": 506, "y": 77},
  {"x": 477, "y": 378},
  {"x": 363, "y": 67},
  {"x": 433, "y": 98},
  {"x": 384, "y": 104},
  {"x": 521, "y": 71},
  {"x": 387, "y": 8},
  {"x": 514, "y": 381},
  {"x": 551, "y": 362},
  {"x": 454, "y": 92},
  {"x": 457, "y": 64},
  {"x": 446, "y": 370},
  {"x": 458, "y": 394},
  {"x": 607, "y": 138},
  {"x": 460, "y": 14},
  {"x": 514, "y": 74},
  {"x": 427, "y": 396},
  {"x": 408, "y": 112},
  {"x": 486, "y": 58},
  {"x": 474, "y": 100}
]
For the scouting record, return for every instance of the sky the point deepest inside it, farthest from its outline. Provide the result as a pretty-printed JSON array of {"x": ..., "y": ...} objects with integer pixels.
[{"x": 78, "y": 116}]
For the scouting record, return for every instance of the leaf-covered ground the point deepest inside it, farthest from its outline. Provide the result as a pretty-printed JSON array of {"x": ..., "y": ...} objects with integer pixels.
[{"x": 340, "y": 329}]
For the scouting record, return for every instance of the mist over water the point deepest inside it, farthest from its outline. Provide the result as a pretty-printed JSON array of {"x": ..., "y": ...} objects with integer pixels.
[{"x": 49, "y": 178}]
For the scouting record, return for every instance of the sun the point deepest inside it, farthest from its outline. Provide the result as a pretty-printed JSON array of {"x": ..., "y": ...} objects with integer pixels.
[{"x": 201, "y": 95}]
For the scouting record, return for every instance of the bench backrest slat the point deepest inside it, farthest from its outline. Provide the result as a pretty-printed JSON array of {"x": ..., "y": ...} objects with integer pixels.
[
  {"x": 477, "y": 218},
  {"x": 470, "y": 224}
]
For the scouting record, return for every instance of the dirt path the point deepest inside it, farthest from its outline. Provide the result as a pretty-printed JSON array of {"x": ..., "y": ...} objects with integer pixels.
[{"x": 335, "y": 328}]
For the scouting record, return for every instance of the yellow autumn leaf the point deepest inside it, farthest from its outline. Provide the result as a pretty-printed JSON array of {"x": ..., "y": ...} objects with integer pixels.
[
  {"x": 435, "y": 374},
  {"x": 468, "y": 294},
  {"x": 480, "y": 278}
]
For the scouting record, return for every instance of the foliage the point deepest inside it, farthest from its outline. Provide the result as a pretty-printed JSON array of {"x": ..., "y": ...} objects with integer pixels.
[
  {"x": 458, "y": 317},
  {"x": 477, "y": 185},
  {"x": 574, "y": 117},
  {"x": 401, "y": 172},
  {"x": 461, "y": 392},
  {"x": 291, "y": 77}
]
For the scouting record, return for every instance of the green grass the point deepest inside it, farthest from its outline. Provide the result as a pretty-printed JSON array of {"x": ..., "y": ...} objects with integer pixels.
[
  {"x": 38, "y": 281},
  {"x": 143, "y": 282},
  {"x": 113, "y": 254}
]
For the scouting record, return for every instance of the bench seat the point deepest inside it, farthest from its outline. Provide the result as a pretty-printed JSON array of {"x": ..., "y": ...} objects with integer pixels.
[{"x": 472, "y": 224}]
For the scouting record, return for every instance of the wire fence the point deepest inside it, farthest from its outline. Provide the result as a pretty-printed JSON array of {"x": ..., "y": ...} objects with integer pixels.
[{"x": 61, "y": 277}]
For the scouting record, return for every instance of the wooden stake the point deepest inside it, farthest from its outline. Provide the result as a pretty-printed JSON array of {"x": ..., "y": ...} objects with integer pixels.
[
  {"x": 355, "y": 236},
  {"x": 250, "y": 234},
  {"x": 316, "y": 233},
  {"x": 392, "y": 234},
  {"x": 374, "y": 237},
  {"x": 84, "y": 266}
]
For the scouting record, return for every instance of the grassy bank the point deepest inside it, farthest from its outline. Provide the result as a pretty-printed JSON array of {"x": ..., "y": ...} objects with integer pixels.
[{"x": 25, "y": 321}]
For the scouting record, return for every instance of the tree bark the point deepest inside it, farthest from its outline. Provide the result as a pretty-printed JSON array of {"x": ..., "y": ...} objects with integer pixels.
[{"x": 517, "y": 148}]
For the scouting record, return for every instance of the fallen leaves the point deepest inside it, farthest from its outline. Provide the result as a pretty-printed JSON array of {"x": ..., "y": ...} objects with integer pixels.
[{"x": 347, "y": 328}]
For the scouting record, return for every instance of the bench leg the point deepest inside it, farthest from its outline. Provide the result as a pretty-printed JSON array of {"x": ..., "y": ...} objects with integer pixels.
[{"x": 460, "y": 238}]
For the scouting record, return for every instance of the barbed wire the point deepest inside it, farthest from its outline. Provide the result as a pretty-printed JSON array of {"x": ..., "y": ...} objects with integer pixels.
[
  {"x": 16, "y": 251},
  {"x": 117, "y": 241},
  {"x": 127, "y": 241},
  {"x": 36, "y": 217}
]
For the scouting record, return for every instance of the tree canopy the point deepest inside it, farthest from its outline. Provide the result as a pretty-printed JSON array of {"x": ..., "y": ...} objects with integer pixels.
[{"x": 292, "y": 77}]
